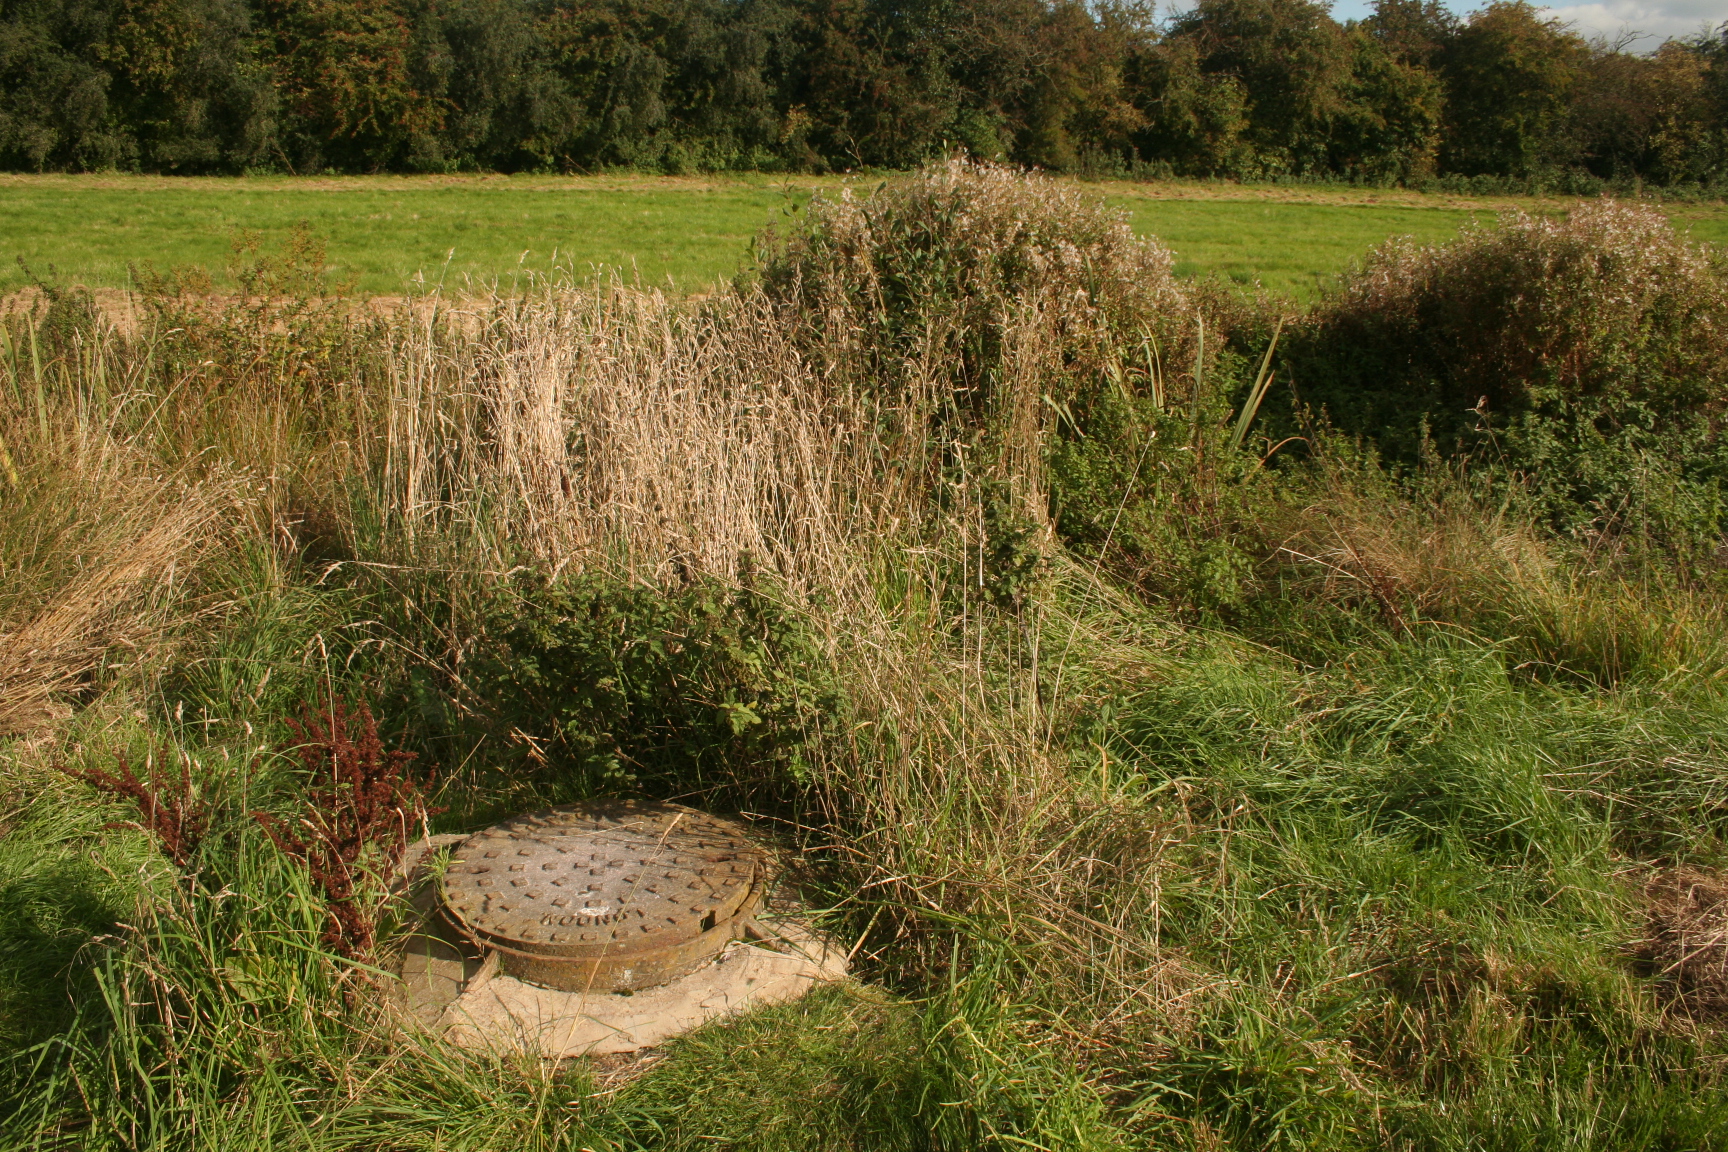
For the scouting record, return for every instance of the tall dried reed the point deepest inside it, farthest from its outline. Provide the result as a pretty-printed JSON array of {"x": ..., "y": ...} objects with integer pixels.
[{"x": 100, "y": 534}]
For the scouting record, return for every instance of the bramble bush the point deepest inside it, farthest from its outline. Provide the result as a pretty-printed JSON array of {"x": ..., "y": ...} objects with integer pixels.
[
  {"x": 1581, "y": 357},
  {"x": 601, "y": 684},
  {"x": 1068, "y": 382}
]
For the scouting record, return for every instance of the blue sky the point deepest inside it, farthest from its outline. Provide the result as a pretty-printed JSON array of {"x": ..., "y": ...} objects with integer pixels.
[{"x": 1657, "y": 19}]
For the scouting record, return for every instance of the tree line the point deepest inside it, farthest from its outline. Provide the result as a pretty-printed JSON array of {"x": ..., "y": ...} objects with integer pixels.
[{"x": 1254, "y": 89}]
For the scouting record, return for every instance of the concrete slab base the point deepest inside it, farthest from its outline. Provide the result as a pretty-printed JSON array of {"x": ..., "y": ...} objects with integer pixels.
[{"x": 455, "y": 989}]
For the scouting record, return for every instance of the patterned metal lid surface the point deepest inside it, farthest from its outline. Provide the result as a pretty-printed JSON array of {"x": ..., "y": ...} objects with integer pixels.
[{"x": 602, "y": 879}]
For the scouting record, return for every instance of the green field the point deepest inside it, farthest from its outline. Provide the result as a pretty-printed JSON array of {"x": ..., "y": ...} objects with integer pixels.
[
  {"x": 383, "y": 232},
  {"x": 1295, "y": 241},
  {"x": 1292, "y": 248}
]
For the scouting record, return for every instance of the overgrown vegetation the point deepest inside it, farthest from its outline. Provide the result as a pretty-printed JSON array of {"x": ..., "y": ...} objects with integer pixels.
[
  {"x": 1179, "y": 786},
  {"x": 359, "y": 811},
  {"x": 1584, "y": 356},
  {"x": 711, "y": 687}
]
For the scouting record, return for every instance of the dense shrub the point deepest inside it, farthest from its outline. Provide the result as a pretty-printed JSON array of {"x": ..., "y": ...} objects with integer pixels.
[
  {"x": 965, "y": 261},
  {"x": 1060, "y": 361},
  {"x": 1074, "y": 386},
  {"x": 1586, "y": 354},
  {"x": 605, "y": 684}
]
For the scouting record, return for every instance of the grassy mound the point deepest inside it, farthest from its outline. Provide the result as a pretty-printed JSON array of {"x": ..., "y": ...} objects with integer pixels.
[{"x": 1175, "y": 792}]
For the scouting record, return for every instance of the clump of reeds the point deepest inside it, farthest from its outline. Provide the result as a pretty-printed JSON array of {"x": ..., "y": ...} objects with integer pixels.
[
  {"x": 124, "y": 600},
  {"x": 101, "y": 534}
]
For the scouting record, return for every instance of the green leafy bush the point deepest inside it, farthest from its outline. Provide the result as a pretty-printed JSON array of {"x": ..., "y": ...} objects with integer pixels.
[
  {"x": 705, "y": 688},
  {"x": 1584, "y": 355}
]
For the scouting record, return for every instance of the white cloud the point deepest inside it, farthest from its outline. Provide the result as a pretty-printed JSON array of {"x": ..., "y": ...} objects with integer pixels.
[{"x": 1657, "y": 20}]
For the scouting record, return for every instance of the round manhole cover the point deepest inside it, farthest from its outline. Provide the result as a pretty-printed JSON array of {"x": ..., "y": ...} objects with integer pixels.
[{"x": 605, "y": 897}]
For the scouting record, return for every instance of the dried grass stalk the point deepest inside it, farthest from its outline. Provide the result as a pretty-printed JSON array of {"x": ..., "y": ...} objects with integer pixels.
[
  {"x": 1686, "y": 941},
  {"x": 125, "y": 597}
]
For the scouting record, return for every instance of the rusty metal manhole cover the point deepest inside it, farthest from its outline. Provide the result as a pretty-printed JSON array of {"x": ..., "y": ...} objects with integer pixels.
[{"x": 605, "y": 897}]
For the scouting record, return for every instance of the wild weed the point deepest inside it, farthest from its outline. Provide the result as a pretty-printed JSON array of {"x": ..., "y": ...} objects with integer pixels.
[
  {"x": 1164, "y": 793},
  {"x": 1575, "y": 355},
  {"x": 359, "y": 810}
]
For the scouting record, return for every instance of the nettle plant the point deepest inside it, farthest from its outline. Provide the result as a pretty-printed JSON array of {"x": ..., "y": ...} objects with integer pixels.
[{"x": 603, "y": 684}]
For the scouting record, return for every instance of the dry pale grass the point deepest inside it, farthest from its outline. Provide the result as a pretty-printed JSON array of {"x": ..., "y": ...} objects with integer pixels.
[
  {"x": 1686, "y": 940},
  {"x": 620, "y": 429},
  {"x": 98, "y": 547},
  {"x": 1458, "y": 560},
  {"x": 1410, "y": 566},
  {"x": 125, "y": 601}
]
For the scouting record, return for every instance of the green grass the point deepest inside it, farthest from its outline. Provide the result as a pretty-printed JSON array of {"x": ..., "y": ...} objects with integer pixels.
[
  {"x": 1313, "y": 869},
  {"x": 383, "y": 232},
  {"x": 1292, "y": 249},
  {"x": 1295, "y": 244}
]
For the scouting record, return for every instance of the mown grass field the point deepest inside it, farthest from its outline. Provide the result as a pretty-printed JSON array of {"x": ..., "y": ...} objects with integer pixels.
[
  {"x": 1297, "y": 245},
  {"x": 383, "y": 233}
]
